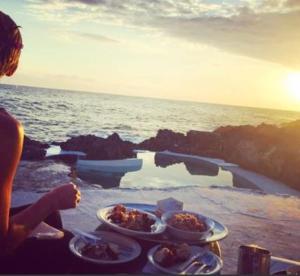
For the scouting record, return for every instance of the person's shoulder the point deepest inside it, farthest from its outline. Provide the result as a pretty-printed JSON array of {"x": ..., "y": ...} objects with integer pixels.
[{"x": 9, "y": 125}]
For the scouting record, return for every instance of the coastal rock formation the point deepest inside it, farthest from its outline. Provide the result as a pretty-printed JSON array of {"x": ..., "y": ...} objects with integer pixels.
[
  {"x": 194, "y": 142},
  {"x": 164, "y": 161},
  {"x": 97, "y": 148},
  {"x": 203, "y": 143},
  {"x": 164, "y": 140},
  {"x": 267, "y": 149},
  {"x": 33, "y": 150}
]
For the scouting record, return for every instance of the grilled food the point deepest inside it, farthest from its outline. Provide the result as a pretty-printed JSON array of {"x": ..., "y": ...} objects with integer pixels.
[
  {"x": 131, "y": 219},
  {"x": 101, "y": 251},
  {"x": 187, "y": 222},
  {"x": 170, "y": 254}
]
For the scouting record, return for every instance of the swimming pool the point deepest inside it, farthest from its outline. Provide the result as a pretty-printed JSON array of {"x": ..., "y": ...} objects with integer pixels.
[{"x": 160, "y": 171}]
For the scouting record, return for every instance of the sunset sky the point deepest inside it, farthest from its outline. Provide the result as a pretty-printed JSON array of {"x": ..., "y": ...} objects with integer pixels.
[{"x": 239, "y": 52}]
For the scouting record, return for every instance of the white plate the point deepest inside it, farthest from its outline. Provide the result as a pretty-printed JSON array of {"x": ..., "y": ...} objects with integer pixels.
[
  {"x": 157, "y": 228},
  {"x": 129, "y": 248},
  {"x": 185, "y": 234},
  {"x": 177, "y": 268},
  {"x": 219, "y": 231}
]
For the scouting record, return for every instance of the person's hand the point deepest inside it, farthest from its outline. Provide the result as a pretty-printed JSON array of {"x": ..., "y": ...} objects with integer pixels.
[{"x": 65, "y": 197}]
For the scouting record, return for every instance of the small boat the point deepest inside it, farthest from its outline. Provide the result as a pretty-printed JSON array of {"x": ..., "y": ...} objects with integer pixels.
[{"x": 122, "y": 165}]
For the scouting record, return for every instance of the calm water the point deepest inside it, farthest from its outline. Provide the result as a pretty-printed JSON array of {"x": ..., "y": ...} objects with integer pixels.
[
  {"x": 54, "y": 115},
  {"x": 163, "y": 171},
  {"x": 155, "y": 171}
]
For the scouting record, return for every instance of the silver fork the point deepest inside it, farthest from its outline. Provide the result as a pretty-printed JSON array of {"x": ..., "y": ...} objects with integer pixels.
[
  {"x": 188, "y": 262},
  {"x": 90, "y": 238},
  {"x": 205, "y": 261}
]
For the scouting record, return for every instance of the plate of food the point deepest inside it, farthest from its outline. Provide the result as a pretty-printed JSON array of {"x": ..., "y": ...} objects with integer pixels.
[
  {"x": 181, "y": 258},
  {"x": 131, "y": 221},
  {"x": 106, "y": 249},
  {"x": 187, "y": 225},
  {"x": 218, "y": 232}
]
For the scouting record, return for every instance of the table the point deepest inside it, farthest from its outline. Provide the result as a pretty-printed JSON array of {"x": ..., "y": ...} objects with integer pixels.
[
  {"x": 85, "y": 214},
  {"x": 137, "y": 266}
]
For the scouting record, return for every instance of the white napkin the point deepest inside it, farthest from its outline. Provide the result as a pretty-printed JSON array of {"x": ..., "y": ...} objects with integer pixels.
[{"x": 46, "y": 232}]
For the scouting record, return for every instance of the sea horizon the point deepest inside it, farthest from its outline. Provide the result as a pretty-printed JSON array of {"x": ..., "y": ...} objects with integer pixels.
[
  {"x": 55, "y": 116},
  {"x": 148, "y": 97}
]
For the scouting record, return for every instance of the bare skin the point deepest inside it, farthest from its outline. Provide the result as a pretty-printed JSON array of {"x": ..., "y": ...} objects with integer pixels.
[
  {"x": 15, "y": 229},
  {"x": 11, "y": 137}
]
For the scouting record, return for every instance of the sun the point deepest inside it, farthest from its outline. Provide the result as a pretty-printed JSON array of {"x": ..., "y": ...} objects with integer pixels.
[{"x": 293, "y": 84}]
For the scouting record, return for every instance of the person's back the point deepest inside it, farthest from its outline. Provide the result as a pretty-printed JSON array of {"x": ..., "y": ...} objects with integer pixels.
[
  {"x": 11, "y": 132},
  {"x": 15, "y": 229}
]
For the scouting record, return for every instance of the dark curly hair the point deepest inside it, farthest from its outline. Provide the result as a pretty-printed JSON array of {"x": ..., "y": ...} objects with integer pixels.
[{"x": 10, "y": 45}]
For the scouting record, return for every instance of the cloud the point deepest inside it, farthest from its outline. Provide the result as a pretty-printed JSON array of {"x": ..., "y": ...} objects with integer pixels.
[
  {"x": 273, "y": 36},
  {"x": 293, "y": 3},
  {"x": 92, "y": 2},
  {"x": 263, "y": 29},
  {"x": 128, "y": 9},
  {"x": 95, "y": 37}
]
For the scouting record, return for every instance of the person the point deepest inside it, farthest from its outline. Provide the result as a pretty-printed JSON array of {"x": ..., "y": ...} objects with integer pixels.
[{"x": 16, "y": 225}]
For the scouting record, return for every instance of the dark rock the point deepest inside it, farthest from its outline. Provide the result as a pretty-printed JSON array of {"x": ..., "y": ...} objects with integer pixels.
[
  {"x": 194, "y": 167},
  {"x": 194, "y": 142},
  {"x": 55, "y": 143},
  {"x": 165, "y": 140},
  {"x": 81, "y": 143},
  {"x": 164, "y": 161},
  {"x": 203, "y": 143},
  {"x": 201, "y": 168},
  {"x": 33, "y": 150},
  {"x": 97, "y": 148},
  {"x": 114, "y": 138},
  {"x": 266, "y": 149}
]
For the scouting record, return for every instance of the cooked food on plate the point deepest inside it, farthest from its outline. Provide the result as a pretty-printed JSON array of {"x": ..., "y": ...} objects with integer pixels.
[
  {"x": 187, "y": 222},
  {"x": 102, "y": 251},
  {"x": 170, "y": 254},
  {"x": 131, "y": 219}
]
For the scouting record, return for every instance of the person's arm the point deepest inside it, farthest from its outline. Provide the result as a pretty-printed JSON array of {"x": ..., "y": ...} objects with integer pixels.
[
  {"x": 63, "y": 197},
  {"x": 15, "y": 229},
  {"x": 11, "y": 143}
]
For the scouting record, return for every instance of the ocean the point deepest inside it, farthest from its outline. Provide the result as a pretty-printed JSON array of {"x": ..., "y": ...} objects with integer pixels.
[{"x": 55, "y": 115}]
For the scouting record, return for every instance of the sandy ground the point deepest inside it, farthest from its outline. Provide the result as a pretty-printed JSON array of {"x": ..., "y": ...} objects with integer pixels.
[{"x": 269, "y": 221}]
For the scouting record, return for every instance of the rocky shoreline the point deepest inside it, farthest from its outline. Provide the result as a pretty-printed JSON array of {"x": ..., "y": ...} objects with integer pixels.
[{"x": 267, "y": 149}]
